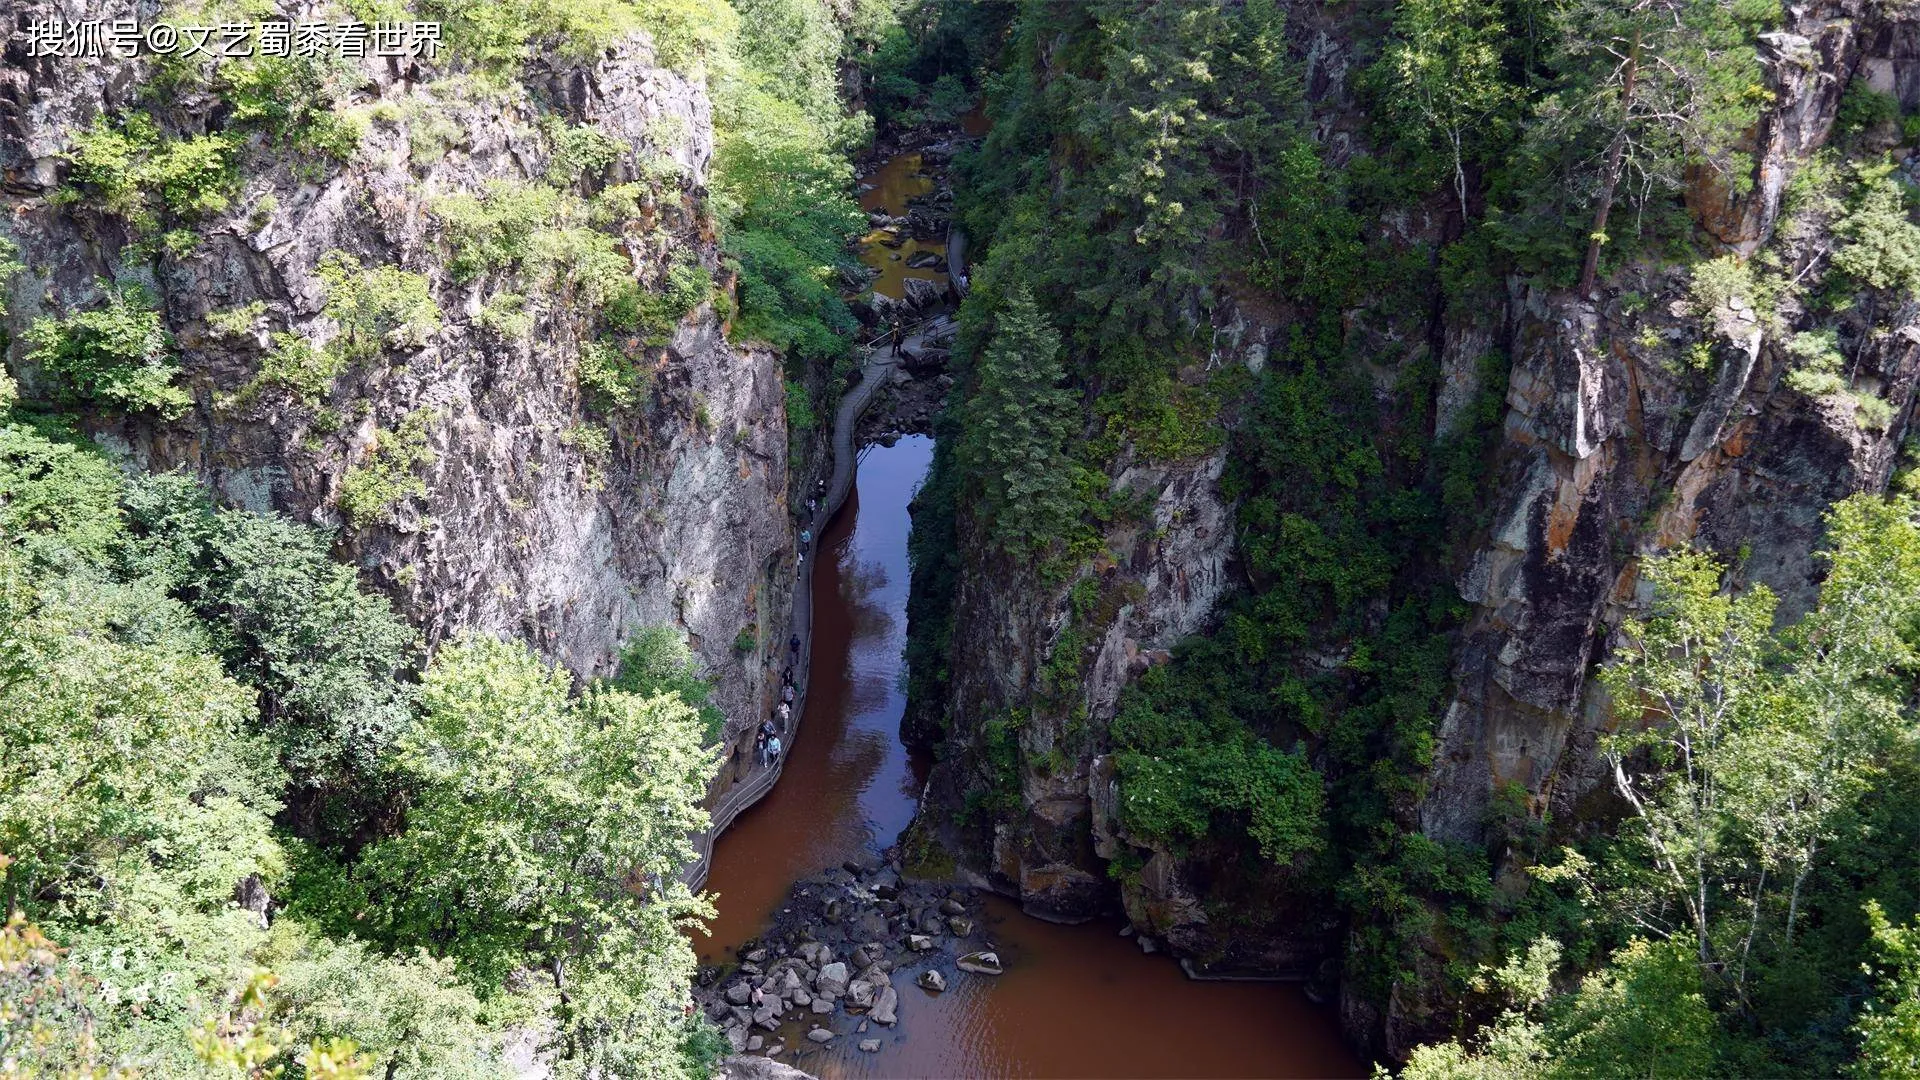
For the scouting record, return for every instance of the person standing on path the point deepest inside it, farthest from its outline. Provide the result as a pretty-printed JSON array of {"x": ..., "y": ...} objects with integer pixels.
[
  {"x": 793, "y": 646},
  {"x": 783, "y": 714},
  {"x": 773, "y": 751},
  {"x": 786, "y": 694}
]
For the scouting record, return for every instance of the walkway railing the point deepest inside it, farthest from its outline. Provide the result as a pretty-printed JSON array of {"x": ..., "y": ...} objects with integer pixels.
[{"x": 760, "y": 778}]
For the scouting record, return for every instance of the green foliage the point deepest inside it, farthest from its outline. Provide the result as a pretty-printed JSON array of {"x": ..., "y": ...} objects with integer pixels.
[
  {"x": 1889, "y": 1025},
  {"x": 1864, "y": 111},
  {"x": 1016, "y": 425},
  {"x": 1881, "y": 244},
  {"x": 658, "y": 661},
  {"x": 553, "y": 828},
  {"x": 1644, "y": 1015},
  {"x": 1443, "y": 82},
  {"x": 497, "y": 36},
  {"x": 800, "y": 414},
  {"x": 148, "y": 179},
  {"x": 1816, "y": 363},
  {"x": 10, "y": 265},
  {"x": 406, "y": 1013},
  {"x": 610, "y": 381},
  {"x": 780, "y": 183},
  {"x": 579, "y": 150},
  {"x": 288, "y": 621},
  {"x": 371, "y": 489},
  {"x": 297, "y": 101},
  {"x": 375, "y": 308},
  {"x": 1191, "y": 772},
  {"x": 496, "y": 228},
  {"x": 118, "y": 355}
]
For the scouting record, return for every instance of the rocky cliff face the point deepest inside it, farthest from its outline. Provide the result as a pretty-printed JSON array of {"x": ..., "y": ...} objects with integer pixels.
[
  {"x": 529, "y": 523},
  {"x": 1610, "y": 449}
]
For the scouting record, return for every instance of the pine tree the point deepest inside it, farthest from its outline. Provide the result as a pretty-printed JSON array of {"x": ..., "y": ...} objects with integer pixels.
[{"x": 1017, "y": 423}]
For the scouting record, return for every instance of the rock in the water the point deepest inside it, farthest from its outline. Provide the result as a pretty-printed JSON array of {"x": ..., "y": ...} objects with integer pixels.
[
  {"x": 739, "y": 993},
  {"x": 820, "y": 1035},
  {"x": 961, "y": 927},
  {"x": 886, "y": 1006},
  {"x": 932, "y": 980},
  {"x": 919, "y": 942},
  {"x": 865, "y": 955},
  {"x": 768, "y": 1019},
  {"x": 871, "y": 1046},
  {"x": 921, "y": 293},
  {"x": 832, "y": 980},
  {"x": 950, "y": 906},
  {"x": 755, "y": 1042},
  {"x": 869, "y": 925},
  {"x": 823, "y": 1005},
  {"x": 790, "y": 982},
  {"x": 862, "y": 1029},
  {"x": 1147, "y": 945},
  {"x": 984, "y": 962},
  {"x": 930, "y": 921},
  {"x": 860, "y": 994},
  {"x": 737, "y": 1038},
  {"x": 757, "y": 956}
]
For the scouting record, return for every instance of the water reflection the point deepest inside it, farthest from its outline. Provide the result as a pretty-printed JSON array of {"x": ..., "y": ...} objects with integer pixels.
[{"x": 849, "y": 785}]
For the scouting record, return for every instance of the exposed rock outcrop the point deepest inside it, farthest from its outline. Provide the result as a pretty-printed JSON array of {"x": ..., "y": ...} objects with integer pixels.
[{"x": 531, "y": 524}]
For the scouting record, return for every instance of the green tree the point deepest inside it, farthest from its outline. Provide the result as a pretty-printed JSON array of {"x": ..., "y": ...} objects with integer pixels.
[
  {"x": 1445, "y": 79},
  {"x": 117, "y": 354},
  {"x": 552, "y": 829},
  {"x": 1016, "y": 425},
  {"x": 1889, "y": 1025}
]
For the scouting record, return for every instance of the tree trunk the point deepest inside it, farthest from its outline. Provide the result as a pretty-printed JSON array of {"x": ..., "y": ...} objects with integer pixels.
[{"x": 1596, "y": 238}]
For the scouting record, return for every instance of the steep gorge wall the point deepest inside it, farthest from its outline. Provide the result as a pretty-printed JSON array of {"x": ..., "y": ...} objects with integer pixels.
[
  {"x": 1607, "y": 451},
  {"x": 524, "y": 529}
]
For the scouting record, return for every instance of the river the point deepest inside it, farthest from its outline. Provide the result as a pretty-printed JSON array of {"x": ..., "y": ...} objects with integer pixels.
[{"x": 1075, "y": 1000}]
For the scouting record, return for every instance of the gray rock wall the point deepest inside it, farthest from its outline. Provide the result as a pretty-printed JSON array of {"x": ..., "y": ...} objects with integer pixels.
[{"x": 520, "y": 531}]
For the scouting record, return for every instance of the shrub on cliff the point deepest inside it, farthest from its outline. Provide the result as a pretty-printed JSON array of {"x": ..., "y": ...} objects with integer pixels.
[{"x": 118, "y": 355}]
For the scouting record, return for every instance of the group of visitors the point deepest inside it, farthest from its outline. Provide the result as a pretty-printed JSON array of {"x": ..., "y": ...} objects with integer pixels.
[{"x": 767, "y": 743}]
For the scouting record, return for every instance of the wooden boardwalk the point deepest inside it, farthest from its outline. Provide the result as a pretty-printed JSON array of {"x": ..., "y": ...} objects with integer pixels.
[{"x": 751, "y": 788}]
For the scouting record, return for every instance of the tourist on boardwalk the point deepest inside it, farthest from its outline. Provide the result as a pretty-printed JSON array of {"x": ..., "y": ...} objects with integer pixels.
[
  {"x": 786, "y": 694},
  {"x": 793, "y": 645},
  {"x": 806, "y": 537},
  {"x": 820, "y": 488},
  {"x": 773, "y": 751},
  {"x": 786, "y": 676},
  {"x": 767, "y": 730},
  {"x": 760, "y": 746},
  {"x": 782, "y": 714},
  {"x": 813, "y": 505},
  {"x": 896, "y": 337}
]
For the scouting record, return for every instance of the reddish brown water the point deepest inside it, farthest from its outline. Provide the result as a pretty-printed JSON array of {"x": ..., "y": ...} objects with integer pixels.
[{"x": 1076, "y": 1001}]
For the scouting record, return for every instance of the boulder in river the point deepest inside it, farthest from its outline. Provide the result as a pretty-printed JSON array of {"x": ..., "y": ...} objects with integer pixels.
[
  {"x": 832, "y": 980},
  {"x": 960, "y": 927},
  {"x": 985, "y": 962},
  {"x": 950, "y": 906},
  {"x": 822, "y": 1005},
  {"x": 921, "y": 293},
  {"x": 919, "y": 942},
  {"x": 932, "y": 981},
  {"x": 871, "y": 924},
  {"x": 871, "y": 1046},
  {"x": 820, "y": 1035},
  {"x": 860, "y": 994},
  {"x": 886, "y": 1005},
  {"x": 739, "y": 993}
]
